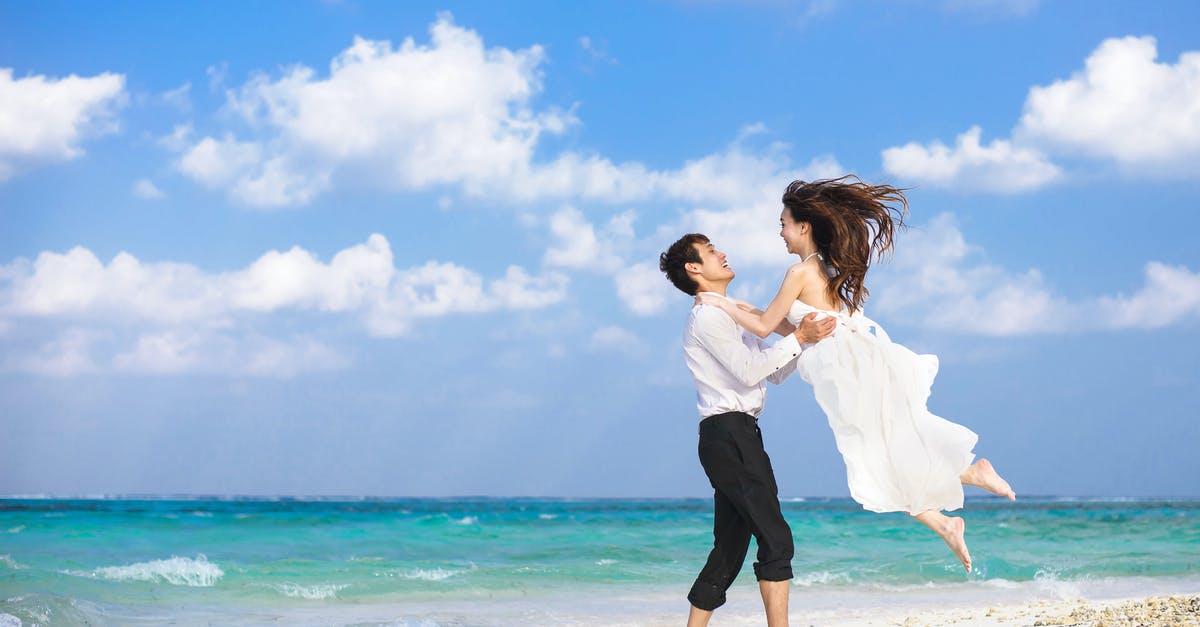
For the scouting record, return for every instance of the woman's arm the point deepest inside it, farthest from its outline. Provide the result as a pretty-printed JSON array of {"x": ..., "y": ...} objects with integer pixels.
[
  {"x": 764, "y": 323},
  {"x": 784, "y": 328}
]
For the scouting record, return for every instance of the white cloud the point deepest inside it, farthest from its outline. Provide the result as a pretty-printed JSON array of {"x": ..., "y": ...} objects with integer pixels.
[
  {"x": 579, "y": 246},
  {"x": 1171, "y": 293},
  {"x": 1123, "y": 105},
  {"x": 180, "y": 97},
  {"x": 414, "y": 116},
  {"x": 450, "y": 112},
  {"x": 644, "y": 289},
  {"x": 45, "y": 119},
  {"x": 937, "y": 281},
  {"x": 189, "y": 320},
  {"x": 597, "y": 51},
  {"x": 616, "y": 339},
  {"x": 147, "y": 190},
  {"x": 67, "y": 355},
  {"x": 189, "y": 351},
  {"x": 358, "y": 278},
  {"x": 998, "y": 167}
]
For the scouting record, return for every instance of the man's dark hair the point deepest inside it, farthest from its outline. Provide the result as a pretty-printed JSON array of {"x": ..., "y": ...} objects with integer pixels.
[{"x": 680, "y": 253}]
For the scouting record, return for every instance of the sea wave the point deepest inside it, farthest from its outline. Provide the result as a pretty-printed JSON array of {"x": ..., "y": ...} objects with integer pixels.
[
  {"x": 17, "y": 529},
  {"x": 314, "y": 592},
  {"x": 820, "y": 578},
  {"x": 179, "y": 571},
  {"x": 432, "y": 574},
  {"x": 11, "y": 563},
  {"x": 8, "y": 620}
]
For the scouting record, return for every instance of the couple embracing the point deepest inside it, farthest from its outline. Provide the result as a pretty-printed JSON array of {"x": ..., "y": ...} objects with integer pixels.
[{"x": 898, "y": 455}]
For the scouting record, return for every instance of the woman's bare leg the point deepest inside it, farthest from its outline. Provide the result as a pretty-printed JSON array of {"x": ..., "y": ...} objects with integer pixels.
[
  {"x": 951, "y": 531},
  {"x": 982, "y": 475}
]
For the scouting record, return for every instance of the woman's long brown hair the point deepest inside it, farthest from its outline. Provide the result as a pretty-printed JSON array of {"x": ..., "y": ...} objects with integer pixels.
[{"x": 850, "y": 220}]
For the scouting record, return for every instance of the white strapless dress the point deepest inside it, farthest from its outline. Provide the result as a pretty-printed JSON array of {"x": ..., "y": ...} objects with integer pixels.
[{"x": 899, "y": 457}]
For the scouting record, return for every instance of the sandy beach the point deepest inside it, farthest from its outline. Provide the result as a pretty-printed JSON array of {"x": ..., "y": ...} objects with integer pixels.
[{"x": 1160, "y": 610}]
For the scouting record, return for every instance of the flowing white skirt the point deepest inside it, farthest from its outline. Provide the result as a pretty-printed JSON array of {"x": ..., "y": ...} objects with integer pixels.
[{"x": 899, "y": 456}]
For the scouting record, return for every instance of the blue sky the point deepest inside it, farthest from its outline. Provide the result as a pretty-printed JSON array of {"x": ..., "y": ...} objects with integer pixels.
[{"x": 409, "y": 249}]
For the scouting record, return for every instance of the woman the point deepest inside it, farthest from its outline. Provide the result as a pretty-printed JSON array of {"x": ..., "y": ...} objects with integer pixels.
[{"x": 899, "y": 456}]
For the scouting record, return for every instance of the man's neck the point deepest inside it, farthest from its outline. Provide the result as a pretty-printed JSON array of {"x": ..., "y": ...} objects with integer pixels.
[{"x": 714, "y": 288}]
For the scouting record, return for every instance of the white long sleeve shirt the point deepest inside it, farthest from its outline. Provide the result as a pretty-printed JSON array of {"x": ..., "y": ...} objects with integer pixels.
[{"x": 730, "y": 364}]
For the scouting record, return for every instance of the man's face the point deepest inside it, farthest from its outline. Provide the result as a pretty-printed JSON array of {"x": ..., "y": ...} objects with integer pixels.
[{"x": 712, "y": 267}]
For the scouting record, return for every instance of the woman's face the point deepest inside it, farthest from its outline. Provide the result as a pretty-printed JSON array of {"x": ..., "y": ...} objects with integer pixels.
[{"x": 791, "y": 231}]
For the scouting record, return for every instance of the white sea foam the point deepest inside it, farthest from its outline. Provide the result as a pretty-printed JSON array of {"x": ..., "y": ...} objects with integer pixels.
[
  {"x": 179, "y": 571},
  {"x": 11, "y": 563},
  {"x": 468, "y": 520},
  {"x": 605, "y": 562},
  {"x": 547, "y": 516},
  {"x": 17, "y": 529},
  {"x": 202, "y": 514},
  {"x": 314, "y": 592},
  {"x": 8, "y": 620},
  {"x": 432, "y": 574},
  {"x": 1048, "y": 581},
  {"x": 820, "y": 578}
]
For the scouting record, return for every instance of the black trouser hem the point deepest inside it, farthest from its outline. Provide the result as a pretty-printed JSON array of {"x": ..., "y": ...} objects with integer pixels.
[{"x": 745, "y": 504}]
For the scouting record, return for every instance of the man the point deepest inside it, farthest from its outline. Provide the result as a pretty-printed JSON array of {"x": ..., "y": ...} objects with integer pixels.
[{"x": 730, "y": 366}]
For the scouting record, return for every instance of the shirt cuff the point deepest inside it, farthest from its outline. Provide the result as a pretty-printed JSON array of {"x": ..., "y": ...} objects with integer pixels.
[{"x": 790, "y": 343}]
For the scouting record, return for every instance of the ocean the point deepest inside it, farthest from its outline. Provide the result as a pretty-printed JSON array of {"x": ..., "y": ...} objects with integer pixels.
[{"x": 506, "y": 561}]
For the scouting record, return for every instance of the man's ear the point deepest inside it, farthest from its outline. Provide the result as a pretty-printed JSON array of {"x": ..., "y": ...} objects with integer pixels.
[{"x": 692, "y": 267}]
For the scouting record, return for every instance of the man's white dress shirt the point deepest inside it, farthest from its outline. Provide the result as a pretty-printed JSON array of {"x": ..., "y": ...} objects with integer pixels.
[{"x": 730, "y": 364}]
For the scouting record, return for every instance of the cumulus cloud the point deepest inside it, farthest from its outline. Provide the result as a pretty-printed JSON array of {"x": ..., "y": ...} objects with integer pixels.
[
  {"x": 44, "y": 119},
  {"x": 414, "y": 116},
  {"x": 580, "y": 245},
  {"x": 997, "y": 167},
  {"x": 195, "y": 321},
  {"x": 448, "y": 113},
  {"x": 1123, "y": 105},
  {"x": 644, "y": 289},
  {"x": 940, "y": 281}
]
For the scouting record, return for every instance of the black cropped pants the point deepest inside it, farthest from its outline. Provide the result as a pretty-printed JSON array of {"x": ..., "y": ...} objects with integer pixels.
[{"x": 745, "y": 503}]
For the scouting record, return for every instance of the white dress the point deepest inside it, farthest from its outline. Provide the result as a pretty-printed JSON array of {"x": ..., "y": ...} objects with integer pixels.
[{"x": 899, "y": 456}]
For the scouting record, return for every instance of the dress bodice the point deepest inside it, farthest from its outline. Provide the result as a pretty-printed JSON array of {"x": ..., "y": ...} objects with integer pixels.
[{"x": 854, "y": 322}]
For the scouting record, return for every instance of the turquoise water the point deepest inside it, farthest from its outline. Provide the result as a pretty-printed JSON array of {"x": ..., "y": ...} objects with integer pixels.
[{"x": 117, "y": 561}]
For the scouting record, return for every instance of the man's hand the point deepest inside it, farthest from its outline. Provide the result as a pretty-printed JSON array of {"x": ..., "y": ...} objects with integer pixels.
[{"x": 812, "y": 330}]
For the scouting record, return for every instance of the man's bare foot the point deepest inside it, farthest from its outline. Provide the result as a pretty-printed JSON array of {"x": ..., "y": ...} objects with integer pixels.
[
  {"x": 951, "y": 530},
  {"x": 981, "y": 474}
]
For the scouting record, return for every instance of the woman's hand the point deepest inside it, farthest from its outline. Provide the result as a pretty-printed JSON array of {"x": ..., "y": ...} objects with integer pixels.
[
  {"x": 713, "y": 299},
  {"x": 745, "y": 306}
]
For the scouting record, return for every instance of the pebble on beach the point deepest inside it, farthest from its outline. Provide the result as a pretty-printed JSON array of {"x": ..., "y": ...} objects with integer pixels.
[{"x": 1175, "y": 610}]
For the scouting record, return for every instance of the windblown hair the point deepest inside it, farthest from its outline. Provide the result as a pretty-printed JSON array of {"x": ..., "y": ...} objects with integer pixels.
[
  {"x": 851, "y": 222},
  {"x": 681, "y": 253}
]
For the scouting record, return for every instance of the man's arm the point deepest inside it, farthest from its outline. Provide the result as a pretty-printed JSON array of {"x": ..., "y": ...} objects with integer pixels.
[
  {"x": 809, "y": 332},
  {"x": 722, "y": 338}
]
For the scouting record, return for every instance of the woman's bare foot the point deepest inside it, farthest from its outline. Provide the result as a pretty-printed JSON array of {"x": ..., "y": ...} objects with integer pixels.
[
  {"x": 952, "y": 531},
  {"x": 981, "y": 474}
]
